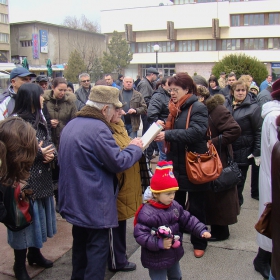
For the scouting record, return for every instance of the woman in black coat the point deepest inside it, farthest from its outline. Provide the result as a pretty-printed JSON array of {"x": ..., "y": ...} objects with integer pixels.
[
  {"x": 179, "y": 138},
  {"x": 247, "y": 114},
  {"x": 158, "y": 109}
]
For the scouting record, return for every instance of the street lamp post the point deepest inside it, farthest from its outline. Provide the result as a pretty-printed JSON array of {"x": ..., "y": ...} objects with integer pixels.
[{"x": 156, "y": 49}]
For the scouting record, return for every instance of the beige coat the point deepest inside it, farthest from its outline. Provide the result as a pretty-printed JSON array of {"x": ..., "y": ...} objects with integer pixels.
[{"x": 130, "y": 193}]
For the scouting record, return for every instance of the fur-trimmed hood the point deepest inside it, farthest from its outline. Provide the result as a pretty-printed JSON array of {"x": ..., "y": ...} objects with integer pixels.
[
  {"x": 213, "y": 101},
  {"x": 68, "y": 97}
]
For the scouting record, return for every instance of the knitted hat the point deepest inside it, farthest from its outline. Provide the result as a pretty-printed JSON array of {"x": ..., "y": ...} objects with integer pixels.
[
  {"x": 105, "y": 94},
  {"x": 275, "y": 94},
  {"x": 163, "y": 179},
  {"x": 255, "y": 87}
]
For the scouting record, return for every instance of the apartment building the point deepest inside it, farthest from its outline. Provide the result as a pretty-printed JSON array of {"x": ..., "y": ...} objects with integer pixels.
[
  {"x": 195, "y": 34},
  {"x": 5, "y": 55}
]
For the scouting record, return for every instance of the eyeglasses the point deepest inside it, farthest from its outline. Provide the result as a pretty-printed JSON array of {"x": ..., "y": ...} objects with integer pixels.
[
  {"x": 85, "y": 81},
  {"x": 240, "y": 89},
  {"x": 174, "y": 90}
]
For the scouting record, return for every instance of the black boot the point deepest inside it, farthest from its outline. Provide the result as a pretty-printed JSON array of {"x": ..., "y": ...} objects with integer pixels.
[
  {"x": 19, "y": 265},
  {"x": 34, "y": 256},
  {"x": 262, "y": 263}
]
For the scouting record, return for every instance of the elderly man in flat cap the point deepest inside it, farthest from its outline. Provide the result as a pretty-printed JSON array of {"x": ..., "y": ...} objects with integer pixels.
[{"x": 89, "y": 158}]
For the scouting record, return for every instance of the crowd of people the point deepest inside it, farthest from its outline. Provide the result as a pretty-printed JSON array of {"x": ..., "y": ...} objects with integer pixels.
[{"x": 84, "y": 160}]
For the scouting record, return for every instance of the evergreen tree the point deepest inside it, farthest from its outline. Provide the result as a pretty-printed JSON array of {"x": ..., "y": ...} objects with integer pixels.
[
  {"x": 118, "y": 57},
  {"x": 241, "y": 64},
  {"x": 96, "y": 72},
  {"x": 75, "y": 67}
]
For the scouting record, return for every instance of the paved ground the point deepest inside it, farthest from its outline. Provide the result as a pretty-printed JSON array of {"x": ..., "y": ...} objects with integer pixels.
[{"x": 230, "y": 259}]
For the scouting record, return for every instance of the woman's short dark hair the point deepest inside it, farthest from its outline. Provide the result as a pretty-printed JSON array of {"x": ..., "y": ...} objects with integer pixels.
[
  {"x": 58, "y": 80},
  {"x": 162, "y": 81},
  {"x": 28, "y": 102},
  {"x": 199, "y": 80},
  {"x": 213, "y": 79},
  {"x": 18, "y": 149},
  {"x": 184, "y": 81}
]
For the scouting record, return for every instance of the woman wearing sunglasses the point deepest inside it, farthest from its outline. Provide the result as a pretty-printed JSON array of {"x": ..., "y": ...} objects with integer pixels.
[{"x": 247, "y": 114}]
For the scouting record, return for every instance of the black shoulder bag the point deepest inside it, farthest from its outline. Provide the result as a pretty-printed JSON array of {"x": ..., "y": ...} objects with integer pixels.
[{"x": 230, "y": 176}]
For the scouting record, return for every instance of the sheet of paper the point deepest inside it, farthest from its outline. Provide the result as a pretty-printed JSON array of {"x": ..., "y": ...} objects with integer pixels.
[{"x": 151, "y": 134}]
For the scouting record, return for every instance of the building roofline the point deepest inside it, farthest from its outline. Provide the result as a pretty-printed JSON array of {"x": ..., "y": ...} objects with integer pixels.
[{"x": 55, "y": 25}]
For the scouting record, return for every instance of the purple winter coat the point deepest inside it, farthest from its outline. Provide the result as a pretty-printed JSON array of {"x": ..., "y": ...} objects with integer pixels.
[{"x": 175, "y": 217}]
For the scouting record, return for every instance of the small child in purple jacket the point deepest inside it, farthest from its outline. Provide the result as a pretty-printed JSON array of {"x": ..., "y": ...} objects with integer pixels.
[{"x": 158, "y": 254}]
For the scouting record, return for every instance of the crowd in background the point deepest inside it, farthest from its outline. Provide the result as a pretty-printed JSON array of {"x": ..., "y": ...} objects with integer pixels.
[{"x": 88, "y": 145}]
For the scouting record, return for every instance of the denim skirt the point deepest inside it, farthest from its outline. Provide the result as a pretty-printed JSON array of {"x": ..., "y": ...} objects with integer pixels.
[{"x": 43, "y": 226}]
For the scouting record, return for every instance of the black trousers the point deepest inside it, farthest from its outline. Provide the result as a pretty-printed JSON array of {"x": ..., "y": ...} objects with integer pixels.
[
  {"x": 255, "y": 180},
  {"x": 220, "y": 232},
  {"x": 89, "y": 253},
  {"x": 196, "y": 202},
  {"x": 117, "y": 256},
  {"x": 240, "y": 185}
]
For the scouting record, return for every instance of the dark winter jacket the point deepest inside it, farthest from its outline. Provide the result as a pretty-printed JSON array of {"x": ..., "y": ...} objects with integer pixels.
[
  {"x": 222, "y": 208},
  {"x": 82, "y": 97},
  {"x": 225, "y": 91},
  {"x": 214, "y": 91},
  {"x": 158, "y": 107},
  {"x": 61, "y": 109},
  {"x": 193, "y": 138},
  {"x": 146, "y": 89},
  {"x": 152, "y": 256},
  {"x": 263, "y": 97},
  {"x": 248, "y": 116},
  {"x": 89, "y": 159},
  {"x": 137, "y": 102}
]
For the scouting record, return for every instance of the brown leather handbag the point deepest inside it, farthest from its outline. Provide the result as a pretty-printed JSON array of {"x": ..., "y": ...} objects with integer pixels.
[
  {"x": 202, "y": 168},
  {"x": 263, "y": 226}
]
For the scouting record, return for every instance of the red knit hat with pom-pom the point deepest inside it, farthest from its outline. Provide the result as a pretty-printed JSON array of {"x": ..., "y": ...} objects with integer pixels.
[{"x": 164, "y": 179}]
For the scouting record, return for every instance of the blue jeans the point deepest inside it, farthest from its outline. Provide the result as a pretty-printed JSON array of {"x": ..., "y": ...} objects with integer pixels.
[
  {"x": 172, "y": 273},
  {"x": 162, "y": 155},
  {"x": 131, "y": 134},
  {"x": 271, "y": 277}
]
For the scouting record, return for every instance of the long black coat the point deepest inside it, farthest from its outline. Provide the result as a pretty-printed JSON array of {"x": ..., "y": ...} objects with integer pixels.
[
  {"x": 248, "y": 116},
  {"x": 158, "y": 107},
  {"x": 193, "y": 138},
  {"x": 222, "y": 208}
]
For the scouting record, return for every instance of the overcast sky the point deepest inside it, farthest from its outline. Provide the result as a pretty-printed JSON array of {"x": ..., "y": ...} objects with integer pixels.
[{"x": 54, "y": 11}]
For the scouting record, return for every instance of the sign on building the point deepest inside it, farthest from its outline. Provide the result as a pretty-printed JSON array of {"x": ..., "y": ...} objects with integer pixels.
[
  {"x": 44, "y": 41},
  {"x": 35, "y": 46}
]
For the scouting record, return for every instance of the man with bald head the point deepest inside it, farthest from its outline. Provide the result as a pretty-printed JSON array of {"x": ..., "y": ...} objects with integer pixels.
[{"x": 134, "y": 106}]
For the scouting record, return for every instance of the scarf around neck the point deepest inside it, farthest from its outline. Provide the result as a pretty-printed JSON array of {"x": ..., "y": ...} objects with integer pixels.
[
  {"x": 91, "y": 112},
  {"x": 174, "y": 111}
]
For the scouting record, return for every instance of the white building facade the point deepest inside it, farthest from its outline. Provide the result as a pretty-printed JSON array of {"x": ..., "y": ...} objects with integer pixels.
[{"x": 195, "y": 34}]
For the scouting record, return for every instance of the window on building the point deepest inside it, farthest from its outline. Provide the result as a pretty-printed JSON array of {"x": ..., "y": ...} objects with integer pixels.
[
  {"x": 231, "y": 44},
  {"x": 4, "y": 2},
  {"x": 4, "y": 18},
  {"x": 132, "y": 47},
  {"x": 274, "y": 18},
  {"x": 4, "y": 38},
  {"x": 176, "y": 2},
  {"x": 27, "y": 43},
  {"x": 163, "y": 47},
  {"x": 254, "y": 19},
  {"x": 273, "y": 43},
  {"x": 186, "y": 46},
  {"x": 207, "y": 45},
  {"x": 235, "y": 20},
  {"x": 253, "y": 44},
  {"x": 165, "y": 69}
]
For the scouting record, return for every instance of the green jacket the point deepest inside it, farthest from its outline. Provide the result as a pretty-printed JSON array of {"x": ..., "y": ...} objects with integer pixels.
[{"x": 61, "y": 109}]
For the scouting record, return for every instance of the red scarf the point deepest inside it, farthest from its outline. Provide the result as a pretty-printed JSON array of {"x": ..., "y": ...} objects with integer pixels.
[
  {"x": 174, "y": 111},
  {"x": 154, "y": 204}
]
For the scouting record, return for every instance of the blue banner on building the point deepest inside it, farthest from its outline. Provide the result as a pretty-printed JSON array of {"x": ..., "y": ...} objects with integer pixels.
[
  {"x": 44, "y": 41},
  {"x": 35, "y": 46},
  {"x": 275, "y": 65}
]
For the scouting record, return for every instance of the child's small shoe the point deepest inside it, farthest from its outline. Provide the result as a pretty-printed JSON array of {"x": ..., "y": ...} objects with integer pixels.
[{"x": 198, "y": 253}]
